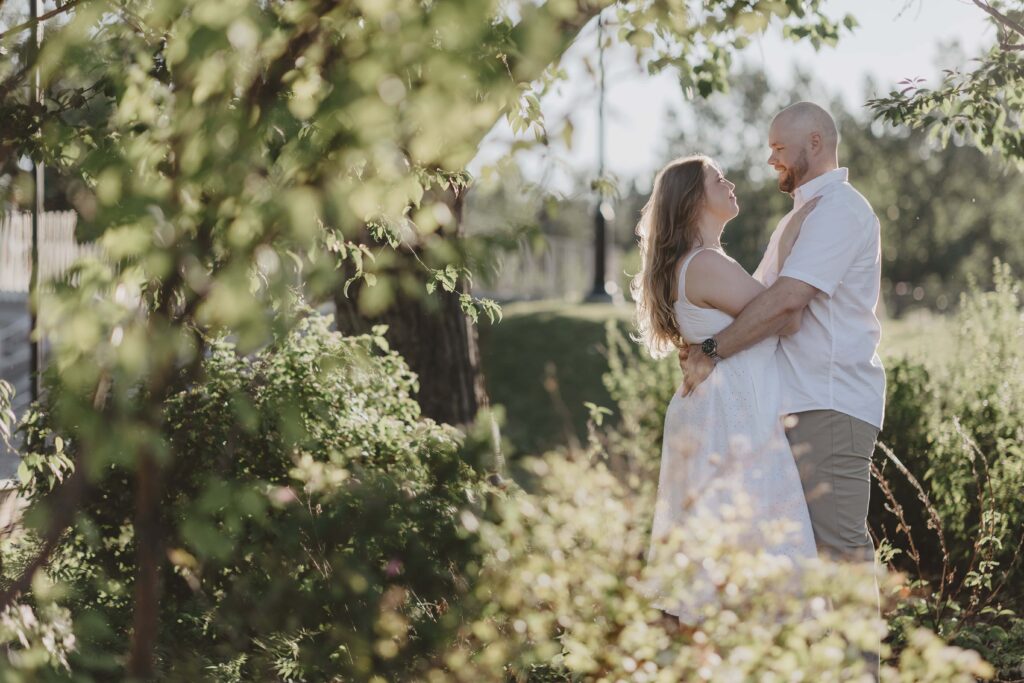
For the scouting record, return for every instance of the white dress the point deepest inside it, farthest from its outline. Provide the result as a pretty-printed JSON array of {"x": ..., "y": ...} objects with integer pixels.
[{"x": 724, "y": 448}]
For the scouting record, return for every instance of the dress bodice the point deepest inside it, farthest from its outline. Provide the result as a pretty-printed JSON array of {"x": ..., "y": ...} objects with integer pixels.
[{"x": 696, "y": 323}]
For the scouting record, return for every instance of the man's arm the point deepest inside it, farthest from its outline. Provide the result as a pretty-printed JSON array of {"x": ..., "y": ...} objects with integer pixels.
[{"x": 766, "y": 315}]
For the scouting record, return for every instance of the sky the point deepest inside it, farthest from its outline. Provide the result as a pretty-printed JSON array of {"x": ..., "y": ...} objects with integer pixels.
[{"x": 895, "y": 40}]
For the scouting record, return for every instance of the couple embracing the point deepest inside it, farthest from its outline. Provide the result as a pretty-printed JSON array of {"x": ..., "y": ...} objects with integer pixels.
[{"x": 783, "y": 393}]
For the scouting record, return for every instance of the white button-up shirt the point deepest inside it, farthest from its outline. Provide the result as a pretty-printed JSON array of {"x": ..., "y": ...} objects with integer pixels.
[{"x": 832, "y": 363}]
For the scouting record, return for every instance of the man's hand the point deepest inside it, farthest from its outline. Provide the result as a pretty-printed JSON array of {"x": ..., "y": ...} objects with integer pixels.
[{"x": 697, "y": 367}]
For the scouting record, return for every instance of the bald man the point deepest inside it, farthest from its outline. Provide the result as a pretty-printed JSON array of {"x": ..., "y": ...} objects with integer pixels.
[{"x": 833, "y": 381}]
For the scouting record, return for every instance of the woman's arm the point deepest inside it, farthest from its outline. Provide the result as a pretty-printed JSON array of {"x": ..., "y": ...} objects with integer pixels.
[
  {"x": 792, "y": 230},
  {"x": 786, "y": 241},
  {"x": 715, "y": 281}
]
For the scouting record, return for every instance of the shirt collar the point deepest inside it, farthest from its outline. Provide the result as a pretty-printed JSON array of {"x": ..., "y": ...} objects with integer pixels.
[{"x": 814, "y": 187}]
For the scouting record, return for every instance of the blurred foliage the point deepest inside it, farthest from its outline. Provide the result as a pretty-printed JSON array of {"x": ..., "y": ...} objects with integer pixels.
[
  {"x": 983, "y": 105},
  {"x": 564, "y": 596},
  {"x": 315, "y": 521},
  {"x": 235, "y": 158}
]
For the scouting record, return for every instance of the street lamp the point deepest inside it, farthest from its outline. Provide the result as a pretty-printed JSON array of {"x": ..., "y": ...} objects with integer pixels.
[
  {"x": 603, "y": 212},
  {"x": 35, "y": 380}
]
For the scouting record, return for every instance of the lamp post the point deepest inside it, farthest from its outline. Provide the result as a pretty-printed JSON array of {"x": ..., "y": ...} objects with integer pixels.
[
  {"x": 37, "y": 214},
  {"x": 603, "y": 211}
]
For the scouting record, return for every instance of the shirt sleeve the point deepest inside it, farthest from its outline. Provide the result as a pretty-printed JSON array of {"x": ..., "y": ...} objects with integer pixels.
[{"x": 830, "y": 240}]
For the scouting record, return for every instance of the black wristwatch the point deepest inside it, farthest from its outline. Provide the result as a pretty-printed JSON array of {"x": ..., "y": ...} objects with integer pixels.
[{"x": 710, "y": 348}]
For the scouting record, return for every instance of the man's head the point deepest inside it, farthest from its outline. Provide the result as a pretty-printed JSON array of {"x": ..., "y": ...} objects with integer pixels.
[{"x": 804, "y": 143}]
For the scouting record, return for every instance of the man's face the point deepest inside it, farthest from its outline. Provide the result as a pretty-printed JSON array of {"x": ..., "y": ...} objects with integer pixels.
[{"x": 788, "y": 157}]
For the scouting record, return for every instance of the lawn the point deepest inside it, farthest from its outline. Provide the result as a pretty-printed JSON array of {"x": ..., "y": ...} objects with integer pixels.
[
  {"x": 547, "y": 357},
  {"x": 542, "y": 361}
]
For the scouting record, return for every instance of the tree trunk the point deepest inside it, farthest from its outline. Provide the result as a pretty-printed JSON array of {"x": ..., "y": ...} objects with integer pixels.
[
  {"x": 435, "y": 338},
  {"x": 440, "y": 345},
  {"x": 431, "y": 332}
]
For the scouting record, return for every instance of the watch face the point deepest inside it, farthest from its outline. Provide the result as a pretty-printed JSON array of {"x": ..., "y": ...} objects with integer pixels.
[{"x": 709, "y": 346}]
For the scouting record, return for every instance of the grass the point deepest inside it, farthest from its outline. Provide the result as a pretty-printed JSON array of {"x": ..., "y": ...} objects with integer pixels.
[
  {"x": 546, "y": 358},
  {"x": 919, "y": 335},
  {"x": 542, "y": 362}
]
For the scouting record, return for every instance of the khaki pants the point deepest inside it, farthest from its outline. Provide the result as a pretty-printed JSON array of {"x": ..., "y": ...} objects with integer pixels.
[{"x": 833, "y": 455}]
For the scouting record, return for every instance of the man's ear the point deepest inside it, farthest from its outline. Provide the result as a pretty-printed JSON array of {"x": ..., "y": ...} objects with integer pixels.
[{"x": 815, "y": 142}]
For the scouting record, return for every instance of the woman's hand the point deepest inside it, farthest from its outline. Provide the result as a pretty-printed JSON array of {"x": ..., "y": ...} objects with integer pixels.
[
  {"x": 684, "y": 352},
  {"x": 696, "y": 367},
  {"x": 792, "y": 230}
]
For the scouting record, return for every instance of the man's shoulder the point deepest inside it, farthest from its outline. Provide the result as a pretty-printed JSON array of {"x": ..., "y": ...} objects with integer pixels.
[
  {"x": 845, "y": 197},
  {"x": 842, "y": 203}
]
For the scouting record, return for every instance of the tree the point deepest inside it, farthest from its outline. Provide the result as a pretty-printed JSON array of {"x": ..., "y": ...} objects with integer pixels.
[
  {"x": 984, "y": 105},
  {"x": 407, "y": 98},
  {"x": 233, "y": 157}
]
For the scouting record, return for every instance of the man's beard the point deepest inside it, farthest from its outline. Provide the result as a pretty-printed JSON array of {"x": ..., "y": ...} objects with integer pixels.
[{"x": 791, "y": 177}]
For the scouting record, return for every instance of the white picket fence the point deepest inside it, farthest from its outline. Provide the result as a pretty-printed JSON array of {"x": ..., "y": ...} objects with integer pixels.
[{"x": 58, "y": 250}]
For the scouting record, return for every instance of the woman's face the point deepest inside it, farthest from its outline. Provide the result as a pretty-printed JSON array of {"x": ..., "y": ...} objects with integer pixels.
[{"x": 720, "y": 200}]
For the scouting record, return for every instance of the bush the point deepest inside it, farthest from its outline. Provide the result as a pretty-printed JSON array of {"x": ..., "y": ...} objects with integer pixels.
[
  {"x": 641, "y": 388},
  {"x": 563, "y": 596},
  {"x": 981, "y": 395},
  {"x": 955, "y": 516},
  {"x": 313, "y": 520},
  {"x": 317, "y": 528},
  {"x": 951, "y": 519}
]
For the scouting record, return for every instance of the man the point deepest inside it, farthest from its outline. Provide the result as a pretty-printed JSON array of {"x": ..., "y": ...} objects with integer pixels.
[{"x": 833, "y": 382}]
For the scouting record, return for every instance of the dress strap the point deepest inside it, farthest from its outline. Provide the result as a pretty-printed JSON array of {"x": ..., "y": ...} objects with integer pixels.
[
  {"x": 686, "y": 261},
  {"x": 681, "y": 285}
]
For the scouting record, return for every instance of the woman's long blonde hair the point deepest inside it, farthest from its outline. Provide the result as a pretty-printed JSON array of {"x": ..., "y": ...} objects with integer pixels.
[{"x": 668, "y": 229}]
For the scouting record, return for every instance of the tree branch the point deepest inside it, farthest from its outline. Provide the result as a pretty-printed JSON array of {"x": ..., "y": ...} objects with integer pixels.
[
  {"x": 1001, "y": 18},
  {"x": 66, "y": 500},
  {"x": 32, "y": 22},
  {"x": 543, "y": 55},
  {"x": 264, "y": 89}
]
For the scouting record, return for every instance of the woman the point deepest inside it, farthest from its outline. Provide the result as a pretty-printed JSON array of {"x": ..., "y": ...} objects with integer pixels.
[{"x": 724, "y": 445}]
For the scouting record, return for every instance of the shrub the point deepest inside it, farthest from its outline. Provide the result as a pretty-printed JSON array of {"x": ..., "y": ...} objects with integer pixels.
[
  {"x": 955, "y": 514},
  {"x": 953, "y": 519},
  {"x": 981, "y": 394},
  {"x": 563, "y": 595},
  {"x": 641, "y": 388},
  {"x": 313, "y": 520}
]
